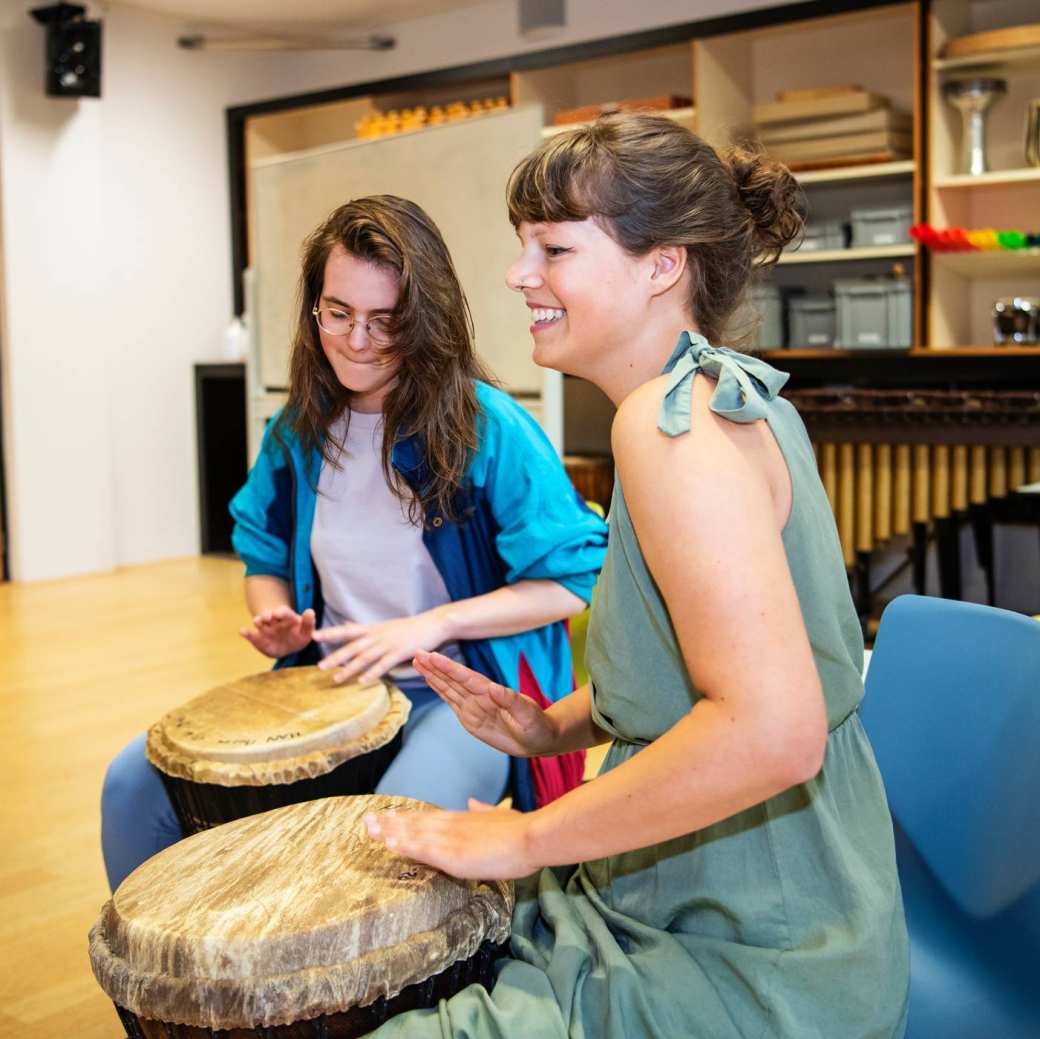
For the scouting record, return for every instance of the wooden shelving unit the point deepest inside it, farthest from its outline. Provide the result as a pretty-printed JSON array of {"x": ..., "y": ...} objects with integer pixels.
[
  {"x": 963, "y": 286},
  {"x": 893, "y": 50},
  {"x": 876, "y": 49}
]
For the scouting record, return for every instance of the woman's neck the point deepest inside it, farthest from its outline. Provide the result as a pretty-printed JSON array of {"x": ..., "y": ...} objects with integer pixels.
[{"x": 642, "y": 357}]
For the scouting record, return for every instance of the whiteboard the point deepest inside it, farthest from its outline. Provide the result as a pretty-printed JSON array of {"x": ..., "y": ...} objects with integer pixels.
[{"x": 457, "y": 172}]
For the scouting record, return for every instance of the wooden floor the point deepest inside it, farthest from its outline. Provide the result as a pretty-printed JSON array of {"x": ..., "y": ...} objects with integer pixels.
[{"x": 87, "y": 664}]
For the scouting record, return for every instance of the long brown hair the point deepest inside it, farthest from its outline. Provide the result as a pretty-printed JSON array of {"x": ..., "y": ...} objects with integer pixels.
[
  {"x": 651, "y": 182},
  {"x": 433, "y": 398}
]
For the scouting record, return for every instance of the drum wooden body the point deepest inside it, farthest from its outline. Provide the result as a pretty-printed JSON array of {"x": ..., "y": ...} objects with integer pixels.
[
  {"x": 292, "y": 923},
  {"x": 275, "y": 739}
]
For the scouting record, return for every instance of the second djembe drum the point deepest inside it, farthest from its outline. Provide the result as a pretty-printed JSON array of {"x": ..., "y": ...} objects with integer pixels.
[
  {"x": 292, "y": 924},
  {"x": 274, "y": 739}
]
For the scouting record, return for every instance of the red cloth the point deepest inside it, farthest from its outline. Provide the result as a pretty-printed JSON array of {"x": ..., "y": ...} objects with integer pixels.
[{"x": 552, "y": 777}]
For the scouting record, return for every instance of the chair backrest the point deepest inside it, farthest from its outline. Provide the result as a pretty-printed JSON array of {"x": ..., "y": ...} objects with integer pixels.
[{"x": 952, "y": 707}]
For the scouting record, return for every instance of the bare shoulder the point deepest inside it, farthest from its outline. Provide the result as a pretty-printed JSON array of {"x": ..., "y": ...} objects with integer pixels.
[
  {"x": 711, "y": 441},
  {"x": 637, "y": 413}
]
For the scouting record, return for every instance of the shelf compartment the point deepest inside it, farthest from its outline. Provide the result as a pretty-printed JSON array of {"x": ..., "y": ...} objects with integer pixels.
[
  {"x": 634, "y": 74},
  {"x": 940, "y": 352},
  {"x": 1029, "y": 56},
  {"x": 994, "y": 178},
  {"x": 903, "y": 168},
  {"x": 685, "y": 116},
  {"x": 989, "y": 264},
  {"x": 877, "y": 252}
]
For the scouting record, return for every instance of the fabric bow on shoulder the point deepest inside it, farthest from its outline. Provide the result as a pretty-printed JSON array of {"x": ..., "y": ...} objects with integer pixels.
[{"x": 745, "y": 385}]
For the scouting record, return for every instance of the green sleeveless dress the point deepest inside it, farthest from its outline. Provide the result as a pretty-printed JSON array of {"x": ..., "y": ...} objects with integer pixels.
[{"x": 783, "y": 921}]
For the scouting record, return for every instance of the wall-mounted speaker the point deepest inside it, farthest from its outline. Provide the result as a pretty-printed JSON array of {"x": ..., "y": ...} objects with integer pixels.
[
  {"x": 542, "y": 17},
  {"x": 73, "y": 51}
]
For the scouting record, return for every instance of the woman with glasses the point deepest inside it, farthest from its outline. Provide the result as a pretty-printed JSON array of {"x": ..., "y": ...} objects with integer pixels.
[{"x": 399, "y": 503}]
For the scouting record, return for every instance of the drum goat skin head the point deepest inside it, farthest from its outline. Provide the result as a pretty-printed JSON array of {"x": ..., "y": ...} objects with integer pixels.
[
  {"x": 275, "y": 727},
  {"x": 285, "y": 916}
]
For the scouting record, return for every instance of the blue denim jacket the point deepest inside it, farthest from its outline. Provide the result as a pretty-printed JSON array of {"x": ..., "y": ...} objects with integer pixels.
[{"x": 521, "y": 519}]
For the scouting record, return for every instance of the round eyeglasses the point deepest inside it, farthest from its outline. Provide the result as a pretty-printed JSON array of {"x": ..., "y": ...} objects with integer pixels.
[{"x": 336, "y": 322}]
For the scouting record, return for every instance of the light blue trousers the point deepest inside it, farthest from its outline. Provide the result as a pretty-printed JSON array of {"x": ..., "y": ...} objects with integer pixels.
[{"x": 438, "y": 762}]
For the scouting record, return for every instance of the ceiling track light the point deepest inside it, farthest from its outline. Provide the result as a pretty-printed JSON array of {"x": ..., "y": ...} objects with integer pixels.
[{"x": 279, "y": 42}]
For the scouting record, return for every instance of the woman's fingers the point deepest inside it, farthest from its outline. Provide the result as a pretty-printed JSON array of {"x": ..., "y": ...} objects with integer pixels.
[
  {"x": 338, "y": 632},
  {"x": 477, "y": 701},
  {"x": 440, "y": 683},
  {"x": 380, "y": 668},
  {"x": 343, "y": 655},
  {"x": 475, "y": 712},
  {"x": 450, "y": 669},
  {"x": 481, "y": 843},
  {"x": 444, "y": 691},
  {"x": 462, "y": 687},
  {"x": 279, "y": 615},
  {"x": 464, "y": 680},
  {"x": 362, "y": 662},
  {"x": 396, "y": 830},
  {"x": 268, "y": 622}
]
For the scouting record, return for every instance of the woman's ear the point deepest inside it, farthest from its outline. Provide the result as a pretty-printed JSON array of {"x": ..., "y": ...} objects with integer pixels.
[{"x": 668, "y": 267}]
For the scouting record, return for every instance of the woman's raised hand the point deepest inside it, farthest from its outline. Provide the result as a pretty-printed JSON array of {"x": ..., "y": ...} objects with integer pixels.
[
  {"x": 370, "y": 650},
  {"x": 502, "y": 718},
  {"x": 280, "y": 631}
]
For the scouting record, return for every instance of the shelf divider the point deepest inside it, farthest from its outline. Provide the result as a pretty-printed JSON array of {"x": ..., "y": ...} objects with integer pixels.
[
  {"x": 905, "y": 167},
  {"x": 993, "y": 178},
  {"x": 875, "y": 252}
]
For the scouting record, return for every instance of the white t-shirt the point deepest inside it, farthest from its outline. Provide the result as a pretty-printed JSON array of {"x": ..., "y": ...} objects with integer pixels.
[{"x": 372, "y": 562}]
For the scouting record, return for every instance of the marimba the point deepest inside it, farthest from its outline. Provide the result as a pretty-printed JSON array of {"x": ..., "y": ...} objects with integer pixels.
[{"x": 918, "y": 463}]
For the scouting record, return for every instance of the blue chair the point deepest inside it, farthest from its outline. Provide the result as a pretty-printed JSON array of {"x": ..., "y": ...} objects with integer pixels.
[{"x": 952, "y": 708}]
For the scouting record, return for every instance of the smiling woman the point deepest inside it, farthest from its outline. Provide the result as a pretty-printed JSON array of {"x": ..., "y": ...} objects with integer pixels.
[
  {"x": 400, "y": 503},
  {"x": 735, "y": 859}
]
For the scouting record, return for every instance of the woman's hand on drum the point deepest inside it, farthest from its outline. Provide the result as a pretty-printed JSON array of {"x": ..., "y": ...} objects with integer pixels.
[
  {"x": 280, "y": 631},
  {"x": 485, "y": 843},
  {"x": 502, "y": 718},
  {"x": 370, "y": 650}
]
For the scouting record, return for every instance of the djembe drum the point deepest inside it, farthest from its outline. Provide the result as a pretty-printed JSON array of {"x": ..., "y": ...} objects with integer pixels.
[
  {"x": 289, "y": 925},
  {"x": 275, "y": 739}
]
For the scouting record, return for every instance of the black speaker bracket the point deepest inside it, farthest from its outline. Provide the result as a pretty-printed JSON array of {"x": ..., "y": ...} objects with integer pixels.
[{"x": 58, "y": 14}]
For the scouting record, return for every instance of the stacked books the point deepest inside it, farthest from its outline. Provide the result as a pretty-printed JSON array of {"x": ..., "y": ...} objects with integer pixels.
[{"x": 833, "y": 126}]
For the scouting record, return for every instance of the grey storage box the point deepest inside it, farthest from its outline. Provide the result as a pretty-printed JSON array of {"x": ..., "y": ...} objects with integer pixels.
[
  {"x": 812, "y": 321},
  {"x": 881, "y": 226},
  {"x": 874, "y": 313},
  {"x": 827, "y": 234},
  {"x": 769, "y": 309}
]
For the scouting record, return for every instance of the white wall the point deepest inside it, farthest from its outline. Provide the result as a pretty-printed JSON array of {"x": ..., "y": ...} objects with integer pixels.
[{"x": 115, "y": 238}]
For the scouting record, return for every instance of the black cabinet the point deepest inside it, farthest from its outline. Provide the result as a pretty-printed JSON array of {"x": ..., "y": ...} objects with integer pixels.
[{"x": 220, "y": 419}]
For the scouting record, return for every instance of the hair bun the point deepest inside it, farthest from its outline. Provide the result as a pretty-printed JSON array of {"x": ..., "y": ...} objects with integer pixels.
[{"x": 772, "y": 197}]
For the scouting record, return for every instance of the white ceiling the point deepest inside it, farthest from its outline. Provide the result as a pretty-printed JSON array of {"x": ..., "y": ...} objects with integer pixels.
[{"x": 303, "y": 13}]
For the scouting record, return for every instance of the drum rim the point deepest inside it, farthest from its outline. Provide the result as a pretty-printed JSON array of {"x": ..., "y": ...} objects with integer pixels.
[
  {"x": 181, "y": 765},
  {"x": 275, "y": 991},
  {"x": 188, "y": 1001}
]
